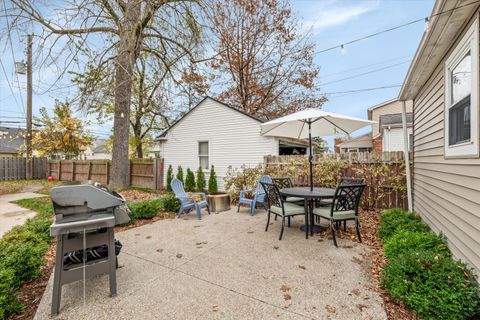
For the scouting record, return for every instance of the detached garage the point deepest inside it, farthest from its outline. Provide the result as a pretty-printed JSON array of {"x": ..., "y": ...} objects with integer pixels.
[{"x": 213, "y": 133}]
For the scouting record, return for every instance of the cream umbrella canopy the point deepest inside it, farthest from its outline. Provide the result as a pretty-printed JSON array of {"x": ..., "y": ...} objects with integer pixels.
[{"x": 310, "y": 123}]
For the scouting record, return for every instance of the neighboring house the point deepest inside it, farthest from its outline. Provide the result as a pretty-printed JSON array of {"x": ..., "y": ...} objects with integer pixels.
[
  {"x": 98, "y": 150},
  {"x": 387, "y": 132},
  {"x": 361, "y": 143},
  {"x": 443, "y": 82},
  {"x": 213, "y": 133},
  {"x": 11, "y": 141}
]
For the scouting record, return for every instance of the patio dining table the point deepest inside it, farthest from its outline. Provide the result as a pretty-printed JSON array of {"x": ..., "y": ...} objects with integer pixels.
[{"x": 310, "y": 196}]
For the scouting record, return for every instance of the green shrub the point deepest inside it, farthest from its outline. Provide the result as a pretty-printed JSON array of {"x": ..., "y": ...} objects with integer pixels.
[
  {"x": 405, "y": 241},
  {"x": 243, "y": 178},
  {"x": 180, "y": 174},
  {"x": 201, "y": 182},
  {"x": 190, "y": 181},
  {"x": 170, "y": 203},
  {"x": 22, "y": 252},
  {"x": 145, "y": 209},
  {"x": 8, "y": 298},
  {"x": 169, "y": 177},
  {"x": 24, "y": 258},
  {"x": 212, "y": 181},
  {"x": 394, "y": 220},
  {"x": 434, "y": 285}
]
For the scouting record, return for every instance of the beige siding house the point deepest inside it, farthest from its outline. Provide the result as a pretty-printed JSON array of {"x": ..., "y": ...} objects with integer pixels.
[
  {"x": 387, "y": 131},
  {"x": 443, "y": 84},
  {"x": 212, "y": 133},
  {"x": 361, "y": 143}
]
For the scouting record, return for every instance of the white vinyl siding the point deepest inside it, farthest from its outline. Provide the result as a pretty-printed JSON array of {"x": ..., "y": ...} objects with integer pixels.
[
  {"x": 393, "y": 139},
  {"x": 233, "y": 140},
  {"x": 446, "y": 191}
]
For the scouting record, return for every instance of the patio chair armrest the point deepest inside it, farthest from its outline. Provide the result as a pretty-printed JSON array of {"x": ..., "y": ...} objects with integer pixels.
[
  {"x": 242, "y": 193},
  {"x": 182, "y": 199},
  {"x": 204, "y": 197}
]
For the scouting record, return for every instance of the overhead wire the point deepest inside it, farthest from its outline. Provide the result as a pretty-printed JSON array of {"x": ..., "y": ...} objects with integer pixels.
[{"x": 425, "y": 19}]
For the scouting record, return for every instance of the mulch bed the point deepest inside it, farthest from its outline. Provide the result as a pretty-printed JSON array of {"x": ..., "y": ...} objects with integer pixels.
[
  {"x": 134, "y": 194},
  {"x": 374, "y": 260}
]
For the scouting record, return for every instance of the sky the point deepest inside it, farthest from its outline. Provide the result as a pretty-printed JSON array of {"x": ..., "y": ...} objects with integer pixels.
[{"x": 380, "y": 61}]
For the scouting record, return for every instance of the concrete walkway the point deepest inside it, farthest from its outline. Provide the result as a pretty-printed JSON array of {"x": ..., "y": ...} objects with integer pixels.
[
  {"x": 11, "y": 214},
  {"x": 226, "y": 267}
]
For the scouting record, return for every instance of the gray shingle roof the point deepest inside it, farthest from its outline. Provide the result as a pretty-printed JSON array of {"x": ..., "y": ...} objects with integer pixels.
[{"x": 394, "y": 119}]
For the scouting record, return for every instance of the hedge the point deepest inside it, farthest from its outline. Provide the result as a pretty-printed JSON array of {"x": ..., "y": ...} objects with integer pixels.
[{"x": 421, "y": 271}]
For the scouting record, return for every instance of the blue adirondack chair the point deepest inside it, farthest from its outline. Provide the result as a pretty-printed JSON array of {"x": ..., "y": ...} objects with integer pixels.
[
  {"x": 186, "y": 203},
  {"x": 258, "y": 195}
]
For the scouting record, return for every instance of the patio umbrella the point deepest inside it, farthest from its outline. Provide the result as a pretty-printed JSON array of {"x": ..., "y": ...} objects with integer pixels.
[{"x": 312, "y": 122}]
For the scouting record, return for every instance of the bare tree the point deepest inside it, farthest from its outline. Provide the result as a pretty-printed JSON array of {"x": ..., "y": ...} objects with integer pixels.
[
  {"x": 265, "y": 65},
  {"x": 119, "y": 30}
]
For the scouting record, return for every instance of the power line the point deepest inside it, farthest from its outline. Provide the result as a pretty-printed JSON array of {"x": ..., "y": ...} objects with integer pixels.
[
  {"x": 328, "y": 75},
  {"x": 363, "y": 90},
  {"x": 425, "y": 19},
  {"x": 8, "y": 82},
  {"x": 365, "y": 73}
]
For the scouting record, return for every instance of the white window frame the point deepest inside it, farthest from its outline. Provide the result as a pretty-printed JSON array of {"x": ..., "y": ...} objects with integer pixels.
[
  {"x": 203, "y": 155},
  {"x": 469, "y": 42}
]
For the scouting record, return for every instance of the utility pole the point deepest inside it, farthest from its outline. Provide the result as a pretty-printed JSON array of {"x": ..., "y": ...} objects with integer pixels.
[{"x": 29, "y": 107}]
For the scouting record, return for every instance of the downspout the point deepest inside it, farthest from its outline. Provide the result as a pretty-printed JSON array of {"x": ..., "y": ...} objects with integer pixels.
[{"x": 406, "y": 156}]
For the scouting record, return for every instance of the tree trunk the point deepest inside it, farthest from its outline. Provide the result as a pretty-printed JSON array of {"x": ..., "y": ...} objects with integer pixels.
[
  {"x": 139, "y": 149},
  {"x": 127, "y": 52}
]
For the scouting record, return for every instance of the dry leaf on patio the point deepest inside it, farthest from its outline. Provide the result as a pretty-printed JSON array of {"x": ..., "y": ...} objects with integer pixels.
[
  {"x": 286, "y": 296},
  {"x": 215, "y": 308},
  {"x": 355, "y": 292},
  {"x": 357, "y": 260},
  {"x": 330, "y": 309},
  {"x": 285, "y": 288},
  {"x": 275, "y": 247},
  {"x": 179, "y": 255},
  {"x": 361, "y": 306},
  {"x": 148, "y": 237},
  {"x": 159, "y": 250},
  {"x": 302, "y": 267}
]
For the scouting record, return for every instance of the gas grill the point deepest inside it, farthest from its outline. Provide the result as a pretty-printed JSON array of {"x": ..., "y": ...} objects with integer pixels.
[{"x": 85, "y": 216}]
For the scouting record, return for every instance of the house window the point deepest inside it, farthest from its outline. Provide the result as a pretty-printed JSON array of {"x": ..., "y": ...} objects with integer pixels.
[
  {"x": 461, "y": 97},
  {"x": 203, "y": 154}
]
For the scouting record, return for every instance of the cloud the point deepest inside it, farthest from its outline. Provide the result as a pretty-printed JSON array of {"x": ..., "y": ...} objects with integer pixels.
[{"x": 335, "y": 15}]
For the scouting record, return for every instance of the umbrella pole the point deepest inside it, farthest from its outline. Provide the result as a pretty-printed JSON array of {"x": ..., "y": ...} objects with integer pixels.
[{"x": 310, "y": 158}]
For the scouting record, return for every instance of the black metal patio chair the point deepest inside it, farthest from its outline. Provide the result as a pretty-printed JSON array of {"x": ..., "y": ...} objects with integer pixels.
[
  {"x": 279, "y": 207},
  {"x": 344, "y": 207}
]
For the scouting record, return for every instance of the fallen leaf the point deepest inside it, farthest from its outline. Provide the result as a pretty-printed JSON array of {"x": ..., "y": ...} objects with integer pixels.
[
  {"x": 275, "y": 247},
  {"x": 302, "y": 267},
  {"x": 199, "y": 247},
  {"x": 356, "y": 292},
  {"x": 286, "y": 296},
  {"x": 361, "y": 306},
  {"x": 330, "y": 309},
  {"x": 250, "y": 232},
  {"x": 215, "y": 308},
  {"x": 148, "y": 237},
  {"x": 179, "y": 255},
  {"x": 285, "y": 288},
  {"x": 347, "y": 247},
  {"x": 159, "y": 250},
  {"x": 137, "y": 234},
  {"x": 197, "y": 226},
  {"x": 198, "y": 243},
  {"x": 357, "y": 260}
]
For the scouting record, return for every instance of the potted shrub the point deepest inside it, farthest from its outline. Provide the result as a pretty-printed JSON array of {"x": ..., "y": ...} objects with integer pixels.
[{"x": 217, "y": 201}]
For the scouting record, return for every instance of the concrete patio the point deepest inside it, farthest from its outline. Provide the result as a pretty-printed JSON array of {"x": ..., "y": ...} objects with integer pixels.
[{"x": 226, "y": 267}]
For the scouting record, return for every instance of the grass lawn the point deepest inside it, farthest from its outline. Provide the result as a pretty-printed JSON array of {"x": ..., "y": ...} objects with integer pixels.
[{"x": 42, "y": 186}]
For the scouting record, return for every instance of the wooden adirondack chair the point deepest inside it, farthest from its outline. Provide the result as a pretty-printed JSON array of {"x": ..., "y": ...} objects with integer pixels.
[
  {"x": 186, "y": 203},
  {"x": 258, "y": 195}
]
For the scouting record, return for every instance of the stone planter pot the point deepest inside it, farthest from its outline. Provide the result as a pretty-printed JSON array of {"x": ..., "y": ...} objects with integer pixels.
[{"x": 218, "y": 202}]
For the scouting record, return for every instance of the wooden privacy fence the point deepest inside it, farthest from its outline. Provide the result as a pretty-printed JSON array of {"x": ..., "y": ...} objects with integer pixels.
[
  {"x": 385, "y": 188},
  {"x": 15, "y": 168},
  {"x": 144, "y": 173}
]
